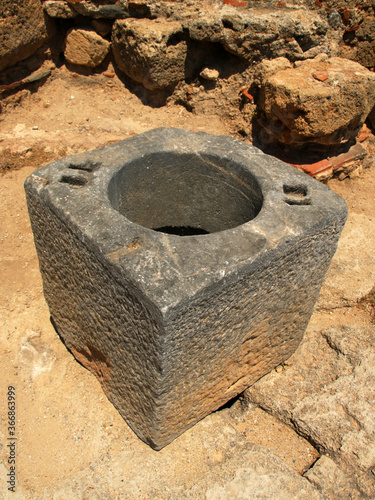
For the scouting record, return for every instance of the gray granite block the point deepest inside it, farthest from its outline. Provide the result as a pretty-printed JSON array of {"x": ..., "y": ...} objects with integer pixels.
[{"x": 175, "y": 325}]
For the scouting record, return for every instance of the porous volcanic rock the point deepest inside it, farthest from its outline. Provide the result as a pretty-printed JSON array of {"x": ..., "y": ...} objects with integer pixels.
[
  {"x": 254, "y": 34},
  {"x": 319, "y": 101},
  {"x": 85, "y": 47},
  {"x": 101, "y": 10},
  {"x": 23, "y": 30},
  {"x": 150, "y": 52}
]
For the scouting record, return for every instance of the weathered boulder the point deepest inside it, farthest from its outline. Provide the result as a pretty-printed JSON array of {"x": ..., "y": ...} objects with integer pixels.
[
  {"x": 366, "y": 43},
  {"x": 320, "y": 101},
  {"x": 327, "y": 394},
  {"x": 85, "y": 47},
  {"x": 205, "y": 27},
  {"x": 117, "y": 9},
  {"x": 23, "y": 30},
  {"x": 295, "y": 34},
  {"x": 253, "y": 34},
  {"x": 150, "y": 52},
  {"x": 59, "y": 9}
]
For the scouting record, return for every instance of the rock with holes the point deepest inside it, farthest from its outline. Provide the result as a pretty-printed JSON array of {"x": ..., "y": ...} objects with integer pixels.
[
  {"x": 322, "y": 101},
  {"x": 22, "y": 32},
  {"x": 116, "y": 9},
  {"x": 180, "y": 268},
  {"x": 254, "y": 34},
  {"x": 150, "y": 52},
  {"x": 59, "y": 9}
]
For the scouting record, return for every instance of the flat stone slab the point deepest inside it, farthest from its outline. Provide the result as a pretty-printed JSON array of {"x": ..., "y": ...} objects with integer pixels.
[
  {"x": 326, "y": 393},
  {"x": 180, "y": 268}
]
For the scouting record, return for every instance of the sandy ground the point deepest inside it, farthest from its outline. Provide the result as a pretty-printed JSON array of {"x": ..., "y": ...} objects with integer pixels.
[{"x": 71, "y": 442}]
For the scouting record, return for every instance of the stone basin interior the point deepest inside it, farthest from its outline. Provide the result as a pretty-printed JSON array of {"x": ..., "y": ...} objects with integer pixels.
[{"x": 185, "y": 194}]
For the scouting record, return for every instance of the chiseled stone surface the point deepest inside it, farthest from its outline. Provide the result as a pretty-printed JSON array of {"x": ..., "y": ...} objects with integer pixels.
[
  {"x": 101, "y": 10},
  {"x": 59, "y": 9},
  {"x": 175, "y": 326},
  {"x": 22, "y": 31},
  {"x": 327, "y": 393},
  {"x": 85, "y": 47}
]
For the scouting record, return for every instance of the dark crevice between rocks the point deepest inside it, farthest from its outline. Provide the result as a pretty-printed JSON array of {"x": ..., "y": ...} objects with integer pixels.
[
  {"x": 231, "y": 403},
  {"x": 181, "y": 230}
]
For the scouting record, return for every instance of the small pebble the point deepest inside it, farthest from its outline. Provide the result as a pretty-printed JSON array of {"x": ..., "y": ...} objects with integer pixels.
[
  {"x": 35, "y": 127},
  {"x": 209, "y": 74}
]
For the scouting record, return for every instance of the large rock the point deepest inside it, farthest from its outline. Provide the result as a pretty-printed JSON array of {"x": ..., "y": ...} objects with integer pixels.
[
  {"x": 260, "y": 476},
  {"x": 252, "y": 35},
  {"x": 327, "y": 393},
  {"x": 22, "y": 31},
  {"x": 85, "y": 48},
  {"x": 101, "y": 10},
  {"x": 150, "y": 52},
  {"x": 59, "y": 9},
  {"x": 320, "y": 101}
]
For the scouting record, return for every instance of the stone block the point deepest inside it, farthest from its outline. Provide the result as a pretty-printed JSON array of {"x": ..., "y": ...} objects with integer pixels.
[
  {"x": 85, "y": 48},
  {"x": 23, "y": 30},
  {"x": 301, "y": 111},
  {"x": 180, "y": 268},
  {"x": 150, "y": 52}
]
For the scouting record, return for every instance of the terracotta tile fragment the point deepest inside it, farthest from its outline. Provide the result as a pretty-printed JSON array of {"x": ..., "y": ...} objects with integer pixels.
[
  {"x": 356, "y": 152},
  {"x": 246, "y": 93},
  {"x": 321, "y": 76},
  {"x": 235, "y": 3},
  {"x": 315, "y": 168}
]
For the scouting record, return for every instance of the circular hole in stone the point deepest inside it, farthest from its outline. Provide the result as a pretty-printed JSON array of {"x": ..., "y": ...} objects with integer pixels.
[{"x": 185, "y": 194}]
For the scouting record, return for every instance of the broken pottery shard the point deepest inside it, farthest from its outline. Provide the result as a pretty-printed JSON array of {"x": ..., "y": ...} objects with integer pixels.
[{"x": 174, "y": 326}]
